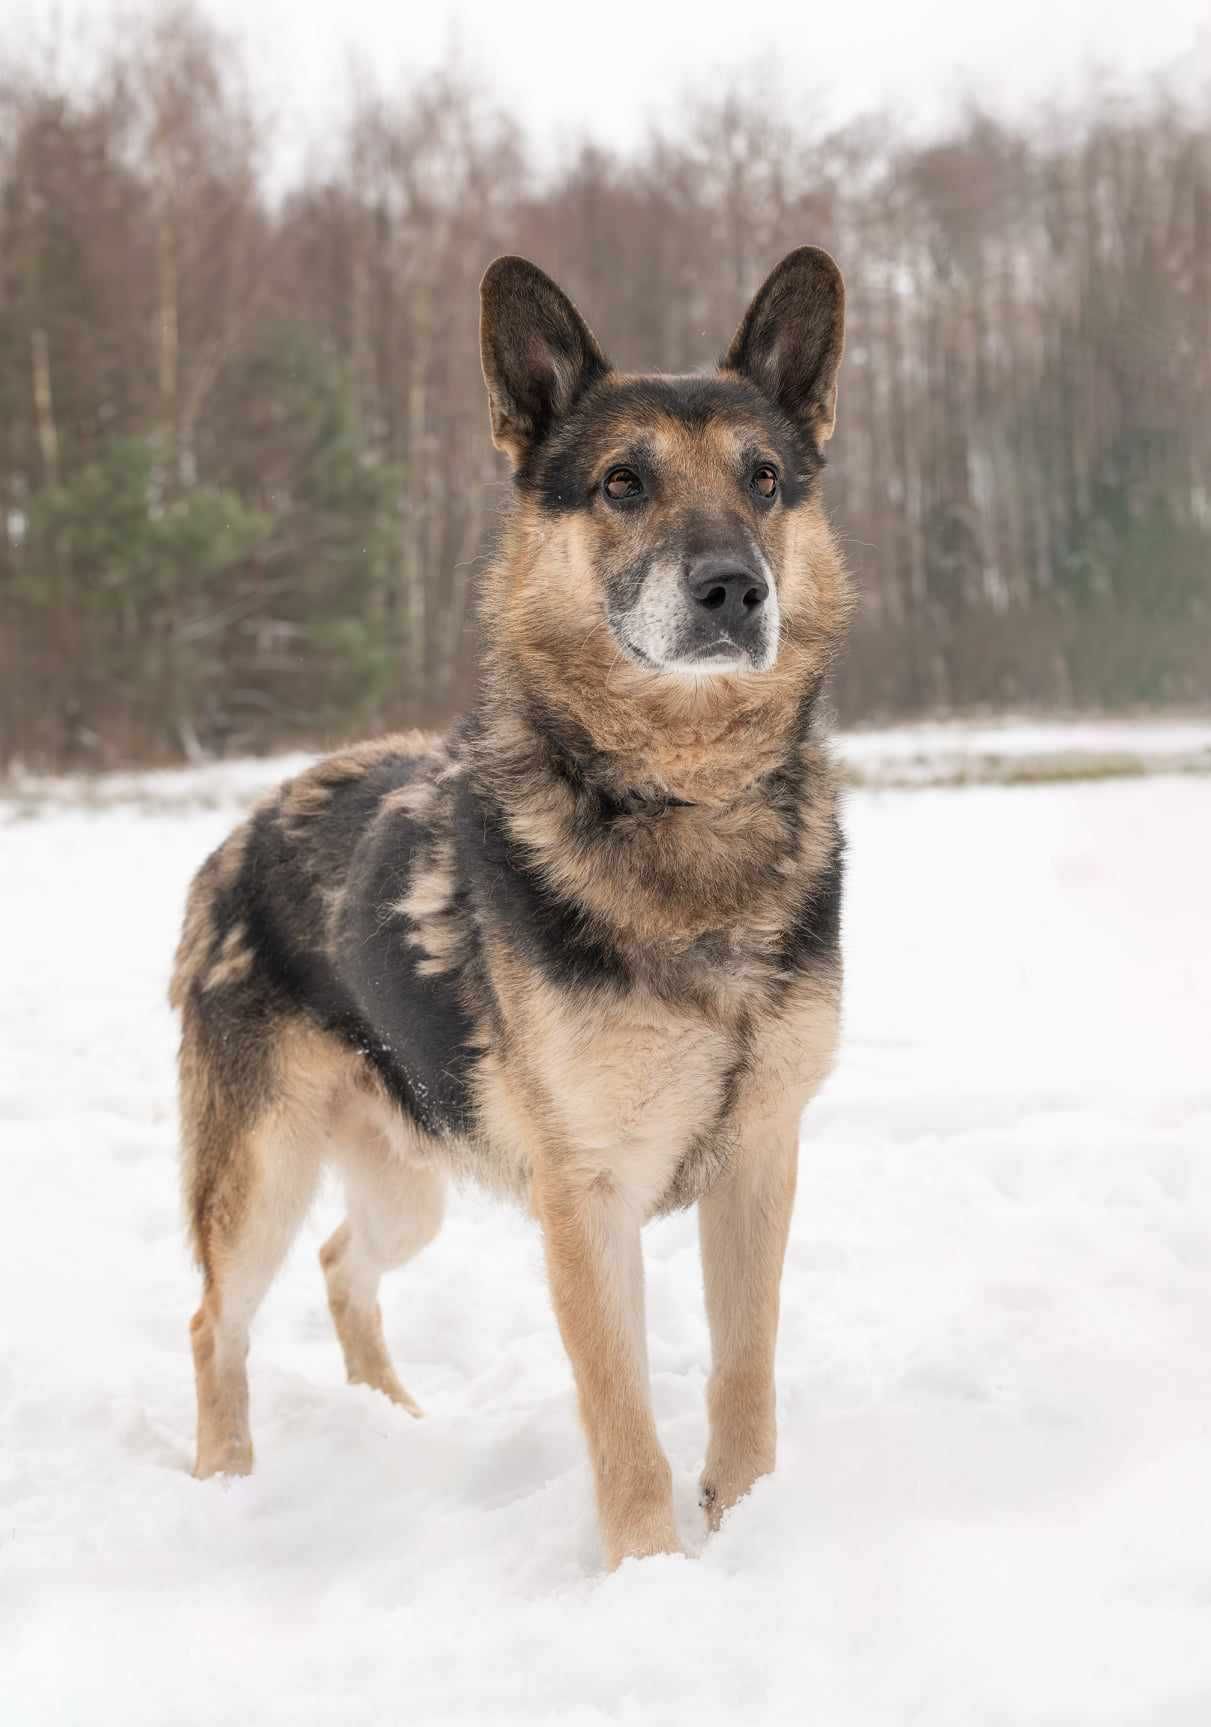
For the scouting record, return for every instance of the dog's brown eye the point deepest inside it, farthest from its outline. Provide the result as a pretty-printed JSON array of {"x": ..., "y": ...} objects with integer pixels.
[
  {"x": 765, "y": 481},
  {"x": 623, "y": 483}
]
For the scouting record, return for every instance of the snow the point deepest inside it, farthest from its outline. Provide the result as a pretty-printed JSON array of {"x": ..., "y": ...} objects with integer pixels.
[
  {"x": 1006, "y": 736},
  {"x": 994, "y": 1487},
  {"x": 962, "y": 751}
]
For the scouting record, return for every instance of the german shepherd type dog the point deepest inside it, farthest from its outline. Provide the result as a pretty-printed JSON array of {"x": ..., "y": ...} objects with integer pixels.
[{"x": 584, "y": 948}]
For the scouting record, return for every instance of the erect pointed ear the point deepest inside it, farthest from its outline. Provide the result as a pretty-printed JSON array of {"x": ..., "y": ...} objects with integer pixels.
[
  {"x": 538, "y": 354},
  {"x": 791, "y": 337}
]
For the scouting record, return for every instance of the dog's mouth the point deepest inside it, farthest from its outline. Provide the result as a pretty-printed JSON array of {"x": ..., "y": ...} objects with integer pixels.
[
  {"x": 716, "y": 659},
  {"x": 711, "y": 659},
  {"x": 722, "y": 648},
  {"x": 719, "y": 657}
]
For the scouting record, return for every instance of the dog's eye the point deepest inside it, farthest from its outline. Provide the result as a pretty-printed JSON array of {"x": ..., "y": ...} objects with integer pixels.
[
  {"x": 765, "y": 481},
  {"x": 622, "y": 483}
]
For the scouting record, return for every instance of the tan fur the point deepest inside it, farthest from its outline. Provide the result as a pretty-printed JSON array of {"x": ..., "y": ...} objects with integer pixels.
[
  {"x": 395, "y": 1205},
  {"x": 591, "y": 1232},
  {"x": 744, "y": 1221},
  {"x": 261, "y": 1174},
  {"x": 598, "y": 1105},
  {"x": 429, "y": 908},
  {"x": 264, "y": 1173},
  {"x": 197, "y": 933},
  {"x": 610, "y": 1102},
  {"x": 233, "y": 962},
  {"x": 309, "y": 791}
]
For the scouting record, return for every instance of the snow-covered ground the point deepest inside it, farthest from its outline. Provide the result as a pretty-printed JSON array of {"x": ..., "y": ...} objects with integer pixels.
[
  {"x": 993, "y": 1503},
  {"x": 971, "y": 752}
]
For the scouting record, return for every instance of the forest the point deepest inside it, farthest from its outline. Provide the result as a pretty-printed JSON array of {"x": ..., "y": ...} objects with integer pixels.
[{"x": 246, "y": 482}]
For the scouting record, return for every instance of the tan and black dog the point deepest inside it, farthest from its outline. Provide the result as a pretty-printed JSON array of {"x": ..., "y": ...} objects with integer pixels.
[{"x": 585, "y": 948}]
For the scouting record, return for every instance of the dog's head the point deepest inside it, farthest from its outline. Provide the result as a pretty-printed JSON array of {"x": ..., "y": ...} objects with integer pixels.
[{"x": 674, "y": 522}]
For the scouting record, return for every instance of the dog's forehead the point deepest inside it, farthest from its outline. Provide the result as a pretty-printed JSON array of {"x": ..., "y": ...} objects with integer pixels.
[{"x": 700, "y": 413}]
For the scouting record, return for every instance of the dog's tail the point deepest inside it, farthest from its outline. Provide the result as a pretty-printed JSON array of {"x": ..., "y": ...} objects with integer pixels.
[
  {"x": 204, "y": 963},
  {"x": 196, "y": 950}
]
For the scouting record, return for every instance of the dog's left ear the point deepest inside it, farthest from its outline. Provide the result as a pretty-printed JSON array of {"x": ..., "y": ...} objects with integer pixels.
[
  {"x": 791, "y": 338},
  {"x": 539, "y": 356}
]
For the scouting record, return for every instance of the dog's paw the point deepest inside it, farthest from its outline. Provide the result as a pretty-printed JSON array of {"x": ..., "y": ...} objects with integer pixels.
[
  {"x": 720, "y": 1487},
  {"x": 638, "y": 1523},
  {"x": 708, "y": 1499},
  {"x": 645, "y": 1545}
]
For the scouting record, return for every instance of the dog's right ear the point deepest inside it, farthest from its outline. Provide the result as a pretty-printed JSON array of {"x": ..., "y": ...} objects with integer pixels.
[
  {"x": 791, "y": 338},
  {"x": 539, "y": 356}
]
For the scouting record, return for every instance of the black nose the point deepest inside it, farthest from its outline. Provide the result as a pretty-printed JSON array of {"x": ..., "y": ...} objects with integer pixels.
[{"x": 724, "y": 588}]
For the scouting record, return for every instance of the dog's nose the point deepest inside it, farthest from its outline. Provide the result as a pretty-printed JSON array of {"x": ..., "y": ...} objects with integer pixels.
[{"x": 725, "y": 588}]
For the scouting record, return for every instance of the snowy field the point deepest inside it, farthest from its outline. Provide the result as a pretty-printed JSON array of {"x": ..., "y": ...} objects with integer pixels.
[
  {"x": 967, "y": 752},
  {"x": 993, "y": 1503}
]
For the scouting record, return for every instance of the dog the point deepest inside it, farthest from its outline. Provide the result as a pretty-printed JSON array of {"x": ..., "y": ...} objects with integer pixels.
[{"x": 583, "y": 949}]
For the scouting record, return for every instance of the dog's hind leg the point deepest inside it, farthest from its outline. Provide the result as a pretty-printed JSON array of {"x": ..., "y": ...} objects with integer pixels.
[
  {"x": 244, "y": 1248},
  {"x": 253, "y": 1137},
  {"x": 395, "y": 1208}
]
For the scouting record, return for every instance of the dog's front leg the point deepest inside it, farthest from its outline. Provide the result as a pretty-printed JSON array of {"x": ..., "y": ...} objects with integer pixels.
[
  {"x": 743, "y": 1225},
  {"x": 595, "y": 1265}
]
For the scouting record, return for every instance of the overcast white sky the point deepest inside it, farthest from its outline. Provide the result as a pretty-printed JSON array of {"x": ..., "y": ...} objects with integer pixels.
[{"x": 604, "y": 69}]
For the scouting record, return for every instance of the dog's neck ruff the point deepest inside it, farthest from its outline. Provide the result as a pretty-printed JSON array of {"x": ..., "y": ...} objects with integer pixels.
[
  {"x": 593, "y": 775},
  {"x": 635, "y": 802}
]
